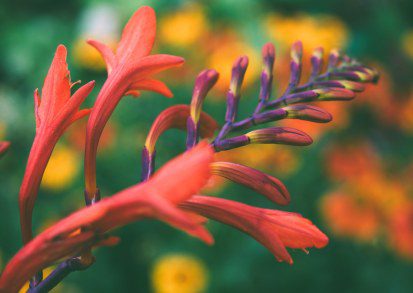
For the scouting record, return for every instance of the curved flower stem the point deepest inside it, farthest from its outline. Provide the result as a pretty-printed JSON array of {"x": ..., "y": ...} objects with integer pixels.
[{"x": 56, "y": 276}]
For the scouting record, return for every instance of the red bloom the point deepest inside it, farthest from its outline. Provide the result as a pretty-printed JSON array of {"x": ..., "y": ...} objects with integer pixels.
[
  {"x": 157, "y": 198},
  {"x": 129, "y": 70},
  {"x": 274, "y": 229},
  {"x": 55, "y": 110}
]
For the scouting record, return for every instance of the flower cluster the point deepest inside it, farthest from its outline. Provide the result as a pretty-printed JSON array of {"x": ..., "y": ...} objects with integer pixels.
[{"x": 172, "y": 193}]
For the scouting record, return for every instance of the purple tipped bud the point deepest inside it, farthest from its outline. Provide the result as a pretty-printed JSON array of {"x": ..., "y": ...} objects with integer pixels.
[
  {"x": 279, "y": 135},
  {"x": 295, "y": 65},
  {"x": 270, "y": 187},
  {"x": 203, "y": 84},
  {"x": 350, "y": 75},
  {"x": 4, "y": 145},
  {"x": 347, "y": 84},
  {"x": 316, "y": 62},
  {"x": 233, "y": 96},
  {"x": 334, "y": 94},
  {"x": 365, "y": 73},
  {"x": 148, "y": 164},
  {"x": 309, "y": 113},
  {"x": 268, "y": 55},
  {"x": 333, "y": 59}
]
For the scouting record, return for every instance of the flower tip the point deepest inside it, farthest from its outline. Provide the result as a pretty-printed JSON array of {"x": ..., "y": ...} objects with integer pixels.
[
  {"x": 268, "y": 50},
  {"x": 61, "y": 49},
  {"x": 241, "y": 63},
  {"x": 318, "y": 53}
]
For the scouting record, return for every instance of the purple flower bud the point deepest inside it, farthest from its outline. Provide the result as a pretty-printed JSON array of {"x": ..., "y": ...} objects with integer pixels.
[
  {"x": 203, "y": 84},
  {"x": 316, "y": 62},
  {"x": 279, "y": 135},
  {"x": 295, "y": 65},
  {"x": 334, "y": 94},
  {"x": 333, "y": 59},
  {"x": 309, "y": 113},
  {"x": 270, "y": 187},
  {"x": 233, "y": 96},
  {"x": 350, "y": 85},
  {"x": 268, "y": 55}
]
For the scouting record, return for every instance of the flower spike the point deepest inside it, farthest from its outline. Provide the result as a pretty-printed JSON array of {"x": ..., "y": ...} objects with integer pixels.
[
  {"x": 54, "y": 111},
  {"x": 130, "y": 70}
]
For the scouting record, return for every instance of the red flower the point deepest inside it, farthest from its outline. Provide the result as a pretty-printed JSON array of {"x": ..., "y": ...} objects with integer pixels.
[
  {"x": 129, "y": 70},
  {"x": 157, "y": 198},
  {"x": 274, "y": 229},
  {"x": 55, "y": 110}
]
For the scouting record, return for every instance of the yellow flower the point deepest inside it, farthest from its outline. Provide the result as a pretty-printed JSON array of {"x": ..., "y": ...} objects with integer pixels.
[
  {"x": 61, "y": 169},
  {"x": 184, "y": 27},
  {"x": 314, "y": 31},
  {"x": 179, "y": 273},
  {"x": 408, "y": 44}
]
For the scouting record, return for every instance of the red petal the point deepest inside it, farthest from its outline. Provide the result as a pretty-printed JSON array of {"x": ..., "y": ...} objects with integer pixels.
[
  {"x": 56, "y": 88},
  {"x": 106, "y": 53},
  {"x": 150, "y": 65},
  {"x": 177, "y": 180},
  {"x": 138, "y": 35},
  {"x": 152, "y": 85}
]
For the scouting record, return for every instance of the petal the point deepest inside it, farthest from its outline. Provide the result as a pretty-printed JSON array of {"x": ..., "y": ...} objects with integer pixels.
[
  {"x": 138, "y": 35},
  {"x": 179, "y": 179},
  {"x": 106, "y": 53},
  {"x": 56, "y": 88},
  {"x": 85, "y": 228},
  {"x": 149, "y": 65},
  {"x": 245, "y": 218},
  {"x": 151, "y": 85},
  {"x": 70, "y": 112}
]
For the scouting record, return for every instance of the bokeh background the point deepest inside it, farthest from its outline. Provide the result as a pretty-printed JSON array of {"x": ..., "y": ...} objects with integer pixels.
[{"x": 355, "y": 181}]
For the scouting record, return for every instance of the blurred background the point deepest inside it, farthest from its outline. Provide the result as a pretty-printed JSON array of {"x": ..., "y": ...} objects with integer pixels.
[{"x": 355, "y": 181}]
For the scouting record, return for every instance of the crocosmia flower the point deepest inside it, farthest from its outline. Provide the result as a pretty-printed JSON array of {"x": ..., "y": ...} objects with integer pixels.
[
  {"x": 130, "y": 70},
  {"x": 55, "y": 109},
  {"x": 157, "y": 198},
  {"x": 274, "y": 229}
]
